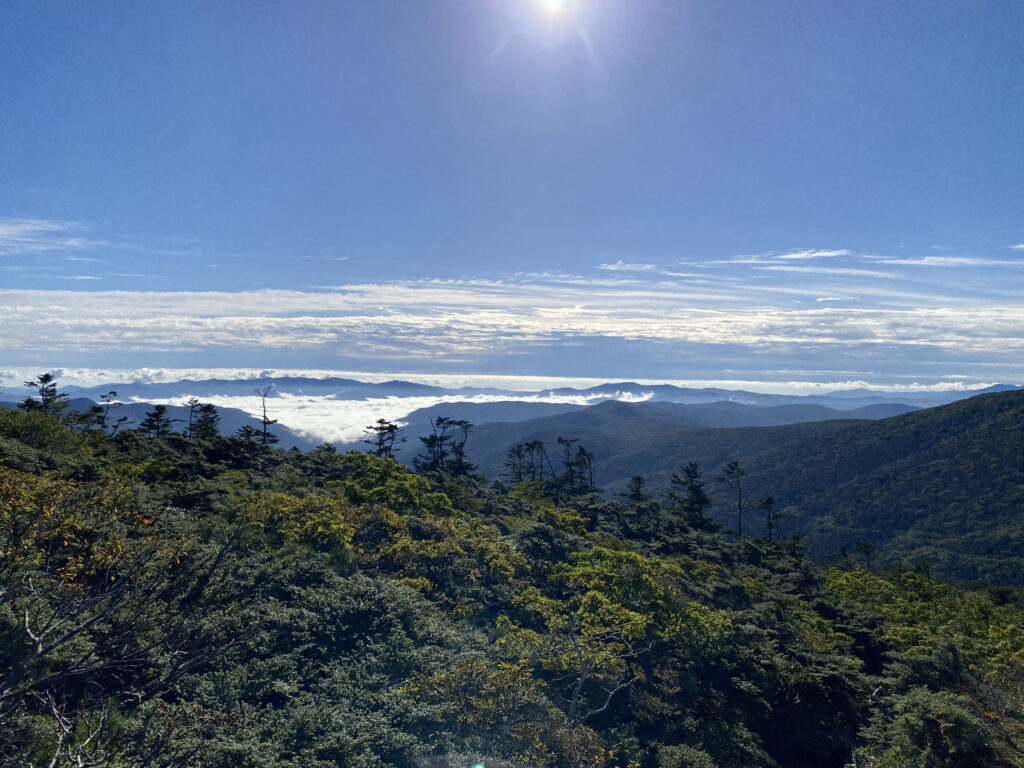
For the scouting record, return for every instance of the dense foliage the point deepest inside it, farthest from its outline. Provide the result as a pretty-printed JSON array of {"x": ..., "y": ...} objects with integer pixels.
[
  {"x": 212, "y": 601},
  {"x": 940, "y": 487}
]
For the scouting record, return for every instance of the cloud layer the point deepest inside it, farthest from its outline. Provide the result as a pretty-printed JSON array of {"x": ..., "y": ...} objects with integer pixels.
[{"x": 882, "y": 318}]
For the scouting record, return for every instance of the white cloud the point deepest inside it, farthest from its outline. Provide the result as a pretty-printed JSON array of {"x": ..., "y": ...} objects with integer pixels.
[
  {"x": 814, "y": 254},
  {"x": 621, "y": 266},
  {"x": 334, "y": 420},
  {"x": 433, "y": 322},
  {"x": 853, "y": 271},
  {"x": 796, "y": 312},
  {"x": 1018, "y": 247},
  {"x": 776, "y": 256},
  {"x": 946, "y": 261},
  {"x": 23, "y": 236}
]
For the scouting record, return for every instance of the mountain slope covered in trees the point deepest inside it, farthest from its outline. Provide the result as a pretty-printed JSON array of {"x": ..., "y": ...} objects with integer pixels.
[
  {"x": 940, "y": 487},
  {"x": 219, "y": 602},
  {"x": 517, "y": 419},
  {"x": 131, "y": 415}
]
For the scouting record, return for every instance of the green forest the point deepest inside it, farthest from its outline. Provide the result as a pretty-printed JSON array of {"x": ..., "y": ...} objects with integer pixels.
[
  {"x": 940, "y": 488},
  {"x": 173, "y": 597}
]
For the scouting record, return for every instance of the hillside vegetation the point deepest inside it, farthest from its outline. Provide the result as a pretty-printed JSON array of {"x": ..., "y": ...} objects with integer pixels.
[
  {"x": 941, "y": 488},
  {"x": 212, "y": 601}
]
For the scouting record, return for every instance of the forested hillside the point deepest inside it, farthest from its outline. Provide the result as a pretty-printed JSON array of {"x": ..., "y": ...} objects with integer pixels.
[
  {"x": 940, "y": 488},
  {"x": 197, "y": 600},
  {"x": 504, "y": 423},
  {"x": 131, "y": 415}
]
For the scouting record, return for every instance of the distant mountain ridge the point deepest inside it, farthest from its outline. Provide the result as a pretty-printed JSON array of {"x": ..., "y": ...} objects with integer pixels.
[
  {"x": 308, "y": 399},
  {"x": 353, "y": 389}
]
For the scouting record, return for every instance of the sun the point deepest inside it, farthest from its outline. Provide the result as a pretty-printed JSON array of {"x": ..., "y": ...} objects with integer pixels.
[{"x": 555, "y": 7}]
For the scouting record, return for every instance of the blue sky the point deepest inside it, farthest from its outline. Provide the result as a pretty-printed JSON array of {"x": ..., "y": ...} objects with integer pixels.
[{"x": 623, "y": 189}]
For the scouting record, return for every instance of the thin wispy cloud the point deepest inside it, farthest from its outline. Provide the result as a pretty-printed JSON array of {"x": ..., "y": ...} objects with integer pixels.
[
  {"x": 425, "y": 321},
  {"x": 621, "y": 266},
  {"x": 947, "y": 261},
  {"x": 814, "y": 254},
  {"x": 854, "y": 271},
  {"x": 27, "y": 236},
  {"x": 539, "y": 385},
  {"x": 797, "y": 307},
  {"x": 770, "y": 257}
]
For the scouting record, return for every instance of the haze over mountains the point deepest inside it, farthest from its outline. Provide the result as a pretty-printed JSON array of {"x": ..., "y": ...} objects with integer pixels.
[
  {"x": 352, "y": 389},
  {"x": 336, "y": 410}
]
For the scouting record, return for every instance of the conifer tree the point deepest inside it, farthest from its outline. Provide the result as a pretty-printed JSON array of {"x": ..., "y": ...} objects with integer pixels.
[
  {"x": 47, "y": 400},
  {"x": 771, "y": 516},
  {"x": 265, "y": 436},
  {"x": 192, "y": 404},
  {"x": 733, "y": 476},
  {"x": 867, "y": 550},
  {"x": 688, "y": 496},
  {"x": 157, "y": 423},
  {"x": 382, "y": 436},
  {"x": 205, "y": 427},
  {"x": 515, "y": 461}
]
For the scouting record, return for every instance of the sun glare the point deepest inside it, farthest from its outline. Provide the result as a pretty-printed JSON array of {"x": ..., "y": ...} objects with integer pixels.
[{"x": 554, "y": 7}]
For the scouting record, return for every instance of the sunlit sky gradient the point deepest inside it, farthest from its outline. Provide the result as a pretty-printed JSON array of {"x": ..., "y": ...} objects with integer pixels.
[{"x": 621, "y": 189}]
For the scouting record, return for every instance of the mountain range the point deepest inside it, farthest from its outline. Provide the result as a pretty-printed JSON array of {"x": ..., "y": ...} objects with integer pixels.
[{"x": 352, "y": 389}]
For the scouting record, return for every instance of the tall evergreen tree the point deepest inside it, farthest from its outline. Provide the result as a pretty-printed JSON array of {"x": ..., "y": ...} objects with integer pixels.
[
  {"x": 458, "y": 464},
  {"x": 732, "y": 476},
  {"x": 205, "y": 427},
  {"x": 635, "y": 492},
  {"x": 867, "y": 550},
  {"x": 436, "y": 446},
  {"x": 687, "y": 495},
  {"x": 772, "y": 516},
  {"x": 157, "y": 423},
  {"x": 47, "y": 399},
  {"x": 515, "y": 461},
  {"x": 382, "y": 436},
  {"x": 193, "y": 405},
  {"x": 108, "y": 403},
  {"x": 265, "y": 436}
]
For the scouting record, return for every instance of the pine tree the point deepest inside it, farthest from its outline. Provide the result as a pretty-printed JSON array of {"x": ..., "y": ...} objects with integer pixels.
[
  {"x": 771, "y": 516},
  {"x": 205, "y": 427},
  {"x": 265, "y": 436},
  {"x": 515, "y": 461},
  {"x": 382, "y": 436},
  {"x": 157, "y": 423},
  {"x": 47, "y": 400},
  {"x": 688, "y": 496},
  {"x": 733, "y": 476},
  {"x": 193, "y": 405}
]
